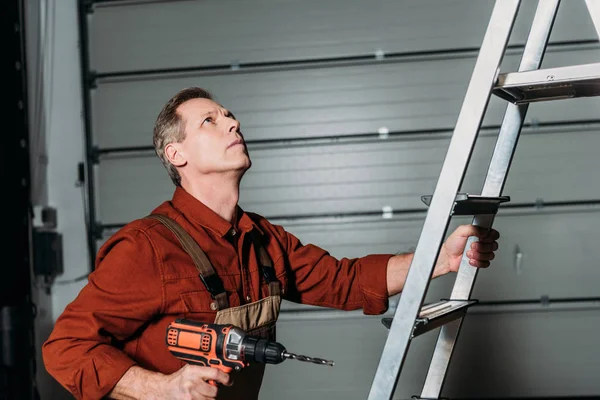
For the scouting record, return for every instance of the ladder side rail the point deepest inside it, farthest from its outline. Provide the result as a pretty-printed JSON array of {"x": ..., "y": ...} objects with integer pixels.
[
  {"x": 438, "y": 216},
  {"x": 495, "y": 180}
]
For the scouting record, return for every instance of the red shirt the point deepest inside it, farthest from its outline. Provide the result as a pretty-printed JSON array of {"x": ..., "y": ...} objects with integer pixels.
[{"x": 144, "y": 280}]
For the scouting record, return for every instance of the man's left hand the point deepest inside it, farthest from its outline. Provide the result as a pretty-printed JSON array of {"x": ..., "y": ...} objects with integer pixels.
[{"x": 480, "y": 254}]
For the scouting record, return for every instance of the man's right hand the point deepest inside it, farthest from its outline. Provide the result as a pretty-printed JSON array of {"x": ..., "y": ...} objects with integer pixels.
[{"x": 189, "y": 383}]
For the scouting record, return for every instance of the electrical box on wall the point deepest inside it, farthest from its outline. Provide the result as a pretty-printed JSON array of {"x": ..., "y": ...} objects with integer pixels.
[
  {"x": 47, "y": 254},
  {"x": 47, "y": 244}
]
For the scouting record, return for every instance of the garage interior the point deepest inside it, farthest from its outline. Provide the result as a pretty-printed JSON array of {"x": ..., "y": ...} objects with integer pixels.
[{"x": 348, "y": 108}]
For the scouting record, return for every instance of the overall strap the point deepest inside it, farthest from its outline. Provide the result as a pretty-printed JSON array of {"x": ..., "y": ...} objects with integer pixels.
[
  {"x": 206, "y": 272},
  {"x": 266, "y": 266}
]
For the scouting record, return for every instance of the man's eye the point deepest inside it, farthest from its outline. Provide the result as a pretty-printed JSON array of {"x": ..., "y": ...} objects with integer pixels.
[{"x": 209, "y": 120}]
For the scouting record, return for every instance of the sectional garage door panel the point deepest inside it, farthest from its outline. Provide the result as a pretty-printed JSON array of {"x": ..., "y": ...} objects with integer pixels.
[
  {"x": 179, "y": 34},
  {"x": 541, "y": 254},
  {"x": 296, "y": 104},
  {"x": 497, "y": 356},
  {"x": 299, "y": 103},
  {"x": 323, "y": 102},
  {"x": 366, "y": 177}
]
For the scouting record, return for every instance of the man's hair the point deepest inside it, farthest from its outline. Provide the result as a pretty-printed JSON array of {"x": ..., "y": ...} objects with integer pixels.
[{"x": 170, "y": 127}]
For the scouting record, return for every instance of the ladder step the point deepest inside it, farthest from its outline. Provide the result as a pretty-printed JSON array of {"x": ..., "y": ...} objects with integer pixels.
[
  {"x": 469, "y": 204},
  {"x": 549, "y": 84},
  {"x": 435, "y": 315},
  {"x": 429, "y": 398}
]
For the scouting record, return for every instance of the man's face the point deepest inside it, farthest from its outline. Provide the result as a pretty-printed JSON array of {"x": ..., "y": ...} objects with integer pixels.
[{"x": 213, "y": 142}]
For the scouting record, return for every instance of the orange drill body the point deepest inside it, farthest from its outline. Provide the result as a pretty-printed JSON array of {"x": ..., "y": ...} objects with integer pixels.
[{"x": 208, "y": 345}]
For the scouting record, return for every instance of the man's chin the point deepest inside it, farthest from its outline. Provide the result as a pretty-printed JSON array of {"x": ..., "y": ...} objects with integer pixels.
[
  {"x": 246, "y": 164},
  {"x": 243, "y": 167}
]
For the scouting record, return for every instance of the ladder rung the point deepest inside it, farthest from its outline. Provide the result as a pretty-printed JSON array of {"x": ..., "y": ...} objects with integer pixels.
[
  {"x": 468, "y": 204},
  {"x": 549, "y": 84},
  {"x": 435, "y": 315},
  {"x": 428, "y": 398}
]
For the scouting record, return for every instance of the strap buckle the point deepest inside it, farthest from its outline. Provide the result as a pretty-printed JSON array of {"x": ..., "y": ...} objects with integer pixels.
[
  {"x": 269, "y": 273},
  {"x": 213, "y": 284}
]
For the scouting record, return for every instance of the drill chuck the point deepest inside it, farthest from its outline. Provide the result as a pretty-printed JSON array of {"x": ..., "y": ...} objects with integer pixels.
[{"x": 262, "y": 350}]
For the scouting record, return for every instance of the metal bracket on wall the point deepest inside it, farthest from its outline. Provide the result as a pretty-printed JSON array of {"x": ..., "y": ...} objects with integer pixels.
[
  {"x": 96, "y": 230},
  {"x": 95, "y": 155},
  {"x": 92, "y": 79},
  {"x": 88, "y": 6}
]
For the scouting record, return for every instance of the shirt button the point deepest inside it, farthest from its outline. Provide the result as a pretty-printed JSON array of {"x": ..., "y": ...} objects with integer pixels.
[
  {"x": 248, "y": 298},
  {"x": 233, "y": 232}
]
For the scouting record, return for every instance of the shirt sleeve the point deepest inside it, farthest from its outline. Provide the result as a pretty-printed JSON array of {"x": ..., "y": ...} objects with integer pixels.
[
  {"x": 319, "y": 279},
  {"x": 123, "y": 293}
]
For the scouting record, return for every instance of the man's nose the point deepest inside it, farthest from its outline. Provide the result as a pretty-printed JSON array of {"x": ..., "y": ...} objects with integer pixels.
[{"x": 234, "y": 125}]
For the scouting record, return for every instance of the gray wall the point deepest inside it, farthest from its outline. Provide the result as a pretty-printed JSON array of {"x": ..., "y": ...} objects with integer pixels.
[
  {"x": 57, "y": 144},
  {"x": 316, "y": 86}
]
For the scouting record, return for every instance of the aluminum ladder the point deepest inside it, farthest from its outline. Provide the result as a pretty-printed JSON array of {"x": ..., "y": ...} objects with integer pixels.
[{"x": 529, "y": 84}]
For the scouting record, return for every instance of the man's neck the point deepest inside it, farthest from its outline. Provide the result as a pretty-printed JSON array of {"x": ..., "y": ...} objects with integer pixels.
[{"x": 218, "y": 193}]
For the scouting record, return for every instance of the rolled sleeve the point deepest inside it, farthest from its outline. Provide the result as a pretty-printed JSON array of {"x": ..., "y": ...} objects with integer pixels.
[
  {"x": 107, "y": 367},
  {"x": 372, "y": 279}
]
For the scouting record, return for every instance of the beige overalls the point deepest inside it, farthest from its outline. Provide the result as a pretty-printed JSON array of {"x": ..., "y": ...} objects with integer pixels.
[{"x": 257, "y": 319}]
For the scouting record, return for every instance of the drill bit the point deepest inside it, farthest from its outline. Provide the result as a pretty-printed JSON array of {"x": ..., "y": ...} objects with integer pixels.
[{"x": 313, "y": 360}]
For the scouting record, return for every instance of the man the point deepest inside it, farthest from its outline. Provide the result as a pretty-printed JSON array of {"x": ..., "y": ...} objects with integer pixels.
[{"x": 111, "y": 339}]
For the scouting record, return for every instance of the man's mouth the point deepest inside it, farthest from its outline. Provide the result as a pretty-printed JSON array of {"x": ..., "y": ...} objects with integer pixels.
[{"x": 235, "y": 143}]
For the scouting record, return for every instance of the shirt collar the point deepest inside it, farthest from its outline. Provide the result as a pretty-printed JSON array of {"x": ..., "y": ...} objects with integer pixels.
[
  {"x": 245, "y": 223},
  {"x": 198, "y": 213}
]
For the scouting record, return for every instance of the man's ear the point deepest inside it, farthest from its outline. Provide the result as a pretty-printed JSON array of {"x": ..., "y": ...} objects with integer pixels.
[{"x": 174, "y": 155}]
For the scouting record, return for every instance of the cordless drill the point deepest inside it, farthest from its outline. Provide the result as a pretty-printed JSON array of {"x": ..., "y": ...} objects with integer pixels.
[{"x": 226, "y": 347}]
